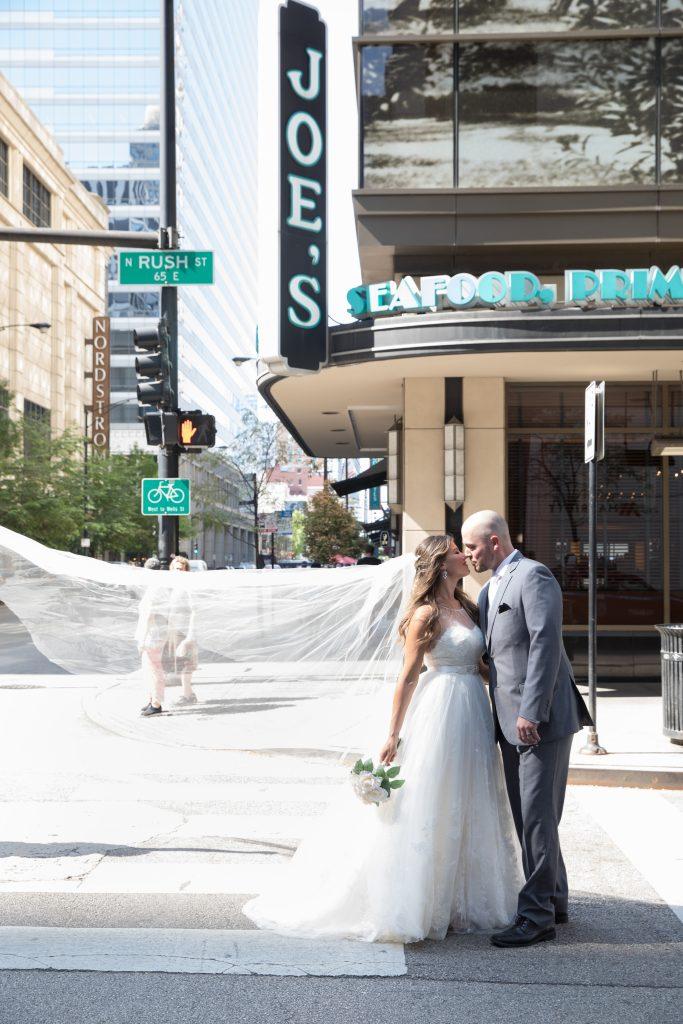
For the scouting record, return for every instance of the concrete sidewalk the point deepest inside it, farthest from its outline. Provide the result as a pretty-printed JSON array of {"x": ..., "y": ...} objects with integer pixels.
[{"x": 240, "y": 709}]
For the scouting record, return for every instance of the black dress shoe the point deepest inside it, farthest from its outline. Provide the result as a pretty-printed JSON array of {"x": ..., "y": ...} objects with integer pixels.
[
  {"x": 151, "y": 710},
  {"x": 561, "y": 917},
  {"x": 523, "y": 933}
]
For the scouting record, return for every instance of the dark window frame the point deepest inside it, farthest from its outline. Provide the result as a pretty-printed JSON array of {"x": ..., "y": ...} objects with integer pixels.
[
  {"x": 4, "y": 167},
  {"x": 37, "y": 203}
]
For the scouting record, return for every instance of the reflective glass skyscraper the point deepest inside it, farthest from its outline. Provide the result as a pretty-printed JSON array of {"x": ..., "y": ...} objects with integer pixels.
[{"x": 91, "y": 71}]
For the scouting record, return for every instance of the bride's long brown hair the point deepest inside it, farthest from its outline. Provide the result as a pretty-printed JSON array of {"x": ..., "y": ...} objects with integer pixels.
[{"x": 430, "y": 556}]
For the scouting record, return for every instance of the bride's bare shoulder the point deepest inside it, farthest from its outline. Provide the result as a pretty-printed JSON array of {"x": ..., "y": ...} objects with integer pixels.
[{"x": 421, "y": 614}]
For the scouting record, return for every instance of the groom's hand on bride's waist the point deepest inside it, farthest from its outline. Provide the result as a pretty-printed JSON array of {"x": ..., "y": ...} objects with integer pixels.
[{"x": 527, "y": 732}]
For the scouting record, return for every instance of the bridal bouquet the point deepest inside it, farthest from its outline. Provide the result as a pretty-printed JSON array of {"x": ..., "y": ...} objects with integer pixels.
[{"x": 374, "y": 785}]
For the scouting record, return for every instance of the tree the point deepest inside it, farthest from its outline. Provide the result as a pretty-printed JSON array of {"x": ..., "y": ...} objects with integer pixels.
[
  {"x": 46, "y": 495},
  {"x": 254, "y": 455},
  {"x": 40, "y": 482},
  {"x": 329, "y": 528},
  {"x": 115, "y": 522}
]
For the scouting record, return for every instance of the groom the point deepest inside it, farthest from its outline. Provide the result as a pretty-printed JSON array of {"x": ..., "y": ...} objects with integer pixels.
[{"x": 537, "y": 709}]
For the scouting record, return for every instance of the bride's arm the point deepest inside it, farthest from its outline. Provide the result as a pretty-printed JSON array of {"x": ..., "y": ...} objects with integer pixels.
[{"x": 405, "y": 685}]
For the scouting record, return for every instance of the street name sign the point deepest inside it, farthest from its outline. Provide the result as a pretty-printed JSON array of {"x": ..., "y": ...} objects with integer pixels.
[
  {"x": 166, "y": 267},
  {"x": 165, "y": 497},
  {"x": 594, "y": 434}
]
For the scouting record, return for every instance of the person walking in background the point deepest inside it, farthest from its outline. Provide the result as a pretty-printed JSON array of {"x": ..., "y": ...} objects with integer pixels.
[
  {"x": 369, "y": 557},
  {"x": 182, "y": 646},
  {"x": 151, "y": 637}
]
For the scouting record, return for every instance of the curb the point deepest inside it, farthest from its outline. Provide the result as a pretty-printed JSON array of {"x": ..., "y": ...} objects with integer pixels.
[
  {"x": 579, "y": 775},
  {"x": 626, "y": 778}
]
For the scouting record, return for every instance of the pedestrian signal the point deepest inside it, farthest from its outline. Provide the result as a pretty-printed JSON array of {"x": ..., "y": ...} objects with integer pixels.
[{"x": 196, "y": 430}]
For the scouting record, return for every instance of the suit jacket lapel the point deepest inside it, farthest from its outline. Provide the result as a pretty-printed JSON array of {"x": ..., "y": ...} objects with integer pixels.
[
  {"x": 484, "y": 608},
  {"x": 504, "y": 584}
]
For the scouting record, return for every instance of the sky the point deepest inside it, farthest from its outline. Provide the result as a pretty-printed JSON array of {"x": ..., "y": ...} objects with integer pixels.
[{"x": 341, "y": 17}]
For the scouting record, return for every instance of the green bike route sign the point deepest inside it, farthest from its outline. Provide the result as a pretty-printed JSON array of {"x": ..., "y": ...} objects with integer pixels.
[
  {"x": 169, "y": 497},
  {"x": 165, "y": 267}
]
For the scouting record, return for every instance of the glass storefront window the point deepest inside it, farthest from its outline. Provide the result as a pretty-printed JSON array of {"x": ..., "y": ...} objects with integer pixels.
[
  {"x": 570, "y": 113},
  {"x": 416, "y": 18},
  {"x": 554, "y": 16},
  {"x": 407, "y": 112},
  {"x": 549, "y": 406},
  {"x": 672, "y": 13},
  {"x": 672, "y": 109},
  {"x": 547, "y": 485},
  {"x": 675, "y": 470}
]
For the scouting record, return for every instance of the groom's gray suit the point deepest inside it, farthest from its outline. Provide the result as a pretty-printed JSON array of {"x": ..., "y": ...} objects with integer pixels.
[{"x": 530, "y": 676}]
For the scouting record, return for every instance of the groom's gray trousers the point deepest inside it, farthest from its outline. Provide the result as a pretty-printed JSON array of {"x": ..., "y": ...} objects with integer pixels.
[{"x": 536, "y": 779}]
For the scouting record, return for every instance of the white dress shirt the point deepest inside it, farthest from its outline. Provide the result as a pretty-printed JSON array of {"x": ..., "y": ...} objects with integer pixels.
[{"x": 497, "y": 577}]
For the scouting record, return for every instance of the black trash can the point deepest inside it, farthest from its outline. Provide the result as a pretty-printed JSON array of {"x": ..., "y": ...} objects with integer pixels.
[{"x": 672, "y": 681}]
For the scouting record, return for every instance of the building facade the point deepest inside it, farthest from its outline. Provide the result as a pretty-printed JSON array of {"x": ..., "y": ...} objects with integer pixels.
[
  {"x": 91, "y": 72},
  {"x": 221, "y": 528},
  {"x": 60, "y": 287},
  {"x": 503, "y": 145}
]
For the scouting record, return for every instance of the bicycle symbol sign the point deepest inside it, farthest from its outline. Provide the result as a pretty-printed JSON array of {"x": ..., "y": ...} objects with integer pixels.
[{"x": 169, "y": 497}]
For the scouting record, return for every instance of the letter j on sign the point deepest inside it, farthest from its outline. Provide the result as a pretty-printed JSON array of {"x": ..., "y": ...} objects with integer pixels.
[{"x": 303, "y": 188}]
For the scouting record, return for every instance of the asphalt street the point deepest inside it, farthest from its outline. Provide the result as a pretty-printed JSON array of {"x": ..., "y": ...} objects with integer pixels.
[{"x": 119, "y": 839}]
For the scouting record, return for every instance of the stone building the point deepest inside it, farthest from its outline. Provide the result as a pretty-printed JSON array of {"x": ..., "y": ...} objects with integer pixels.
[{"x": 56, "y": 285}]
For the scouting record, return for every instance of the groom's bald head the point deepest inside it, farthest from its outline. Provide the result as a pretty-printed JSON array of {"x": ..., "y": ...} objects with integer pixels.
[{"x": 486, "y": 539}]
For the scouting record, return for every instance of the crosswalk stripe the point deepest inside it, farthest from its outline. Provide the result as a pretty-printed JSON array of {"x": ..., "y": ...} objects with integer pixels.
[
  {"x": 255, "y": 792},
  {"x": 195, "y": 951},
  {"x": 115, "y": 875}
]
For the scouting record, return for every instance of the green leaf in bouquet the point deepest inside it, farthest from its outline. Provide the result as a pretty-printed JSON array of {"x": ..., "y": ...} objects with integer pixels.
[
  {"x": 385, "y": 784},
  {"x": 399, "y": 743},
  {"x": 397, "y": 783},
  {"x": 367, "y": 765},
  {"x": 358, "y": 766},
  {"x": 393, "y": 772}
]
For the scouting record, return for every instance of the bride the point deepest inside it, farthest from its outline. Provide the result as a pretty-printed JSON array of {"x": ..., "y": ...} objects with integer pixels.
[{"x": 441, "y": 853}]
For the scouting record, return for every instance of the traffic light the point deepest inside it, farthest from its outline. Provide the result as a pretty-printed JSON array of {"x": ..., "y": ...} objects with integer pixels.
[
  {"x": 153, "y": 369},
  {"x": 196, "y": 429},
  {"x": 161, "y": 428}
]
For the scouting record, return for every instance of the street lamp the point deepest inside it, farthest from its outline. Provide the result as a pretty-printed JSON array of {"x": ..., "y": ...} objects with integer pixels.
[{"x": 40, "y": 326}]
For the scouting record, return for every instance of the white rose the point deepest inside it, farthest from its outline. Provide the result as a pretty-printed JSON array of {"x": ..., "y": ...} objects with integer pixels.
[{"x": 369, "y": 789}]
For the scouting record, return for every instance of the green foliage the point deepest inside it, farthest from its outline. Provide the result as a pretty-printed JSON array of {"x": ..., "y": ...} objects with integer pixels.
[
  {"x": 115, "y": 522},
  {"x": 41, "y": 481},
  {"x": 329, "y": 528},
  {"x": 44, "y": 492}
]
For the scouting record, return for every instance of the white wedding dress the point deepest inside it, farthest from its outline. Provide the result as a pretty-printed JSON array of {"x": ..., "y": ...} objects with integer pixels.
[{"x": 440, "y": 853}]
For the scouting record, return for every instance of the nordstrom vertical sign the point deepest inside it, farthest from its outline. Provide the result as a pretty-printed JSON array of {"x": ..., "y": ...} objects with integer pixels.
[
  {"x": 100, "y": 383},
  {"x": 303, "y": 188}
]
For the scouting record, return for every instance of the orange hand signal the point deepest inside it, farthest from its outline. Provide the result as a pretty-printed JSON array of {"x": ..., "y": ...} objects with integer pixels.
[{"x": 187, "y": 431}]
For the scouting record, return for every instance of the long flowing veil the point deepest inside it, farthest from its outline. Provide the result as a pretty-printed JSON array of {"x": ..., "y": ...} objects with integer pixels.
[{"x": 311, "y": 654}]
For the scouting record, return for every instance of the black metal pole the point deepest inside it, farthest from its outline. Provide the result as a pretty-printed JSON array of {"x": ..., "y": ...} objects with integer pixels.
[
  {"x": 592, "y": 583},
  {"x": 167, "y": 459},
  {"x": 592, "y": 745}
]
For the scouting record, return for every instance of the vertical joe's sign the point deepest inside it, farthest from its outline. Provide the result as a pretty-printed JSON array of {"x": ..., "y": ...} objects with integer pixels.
[
  {"x": 100, "y": 383},
  {"x": 303, "y": 188}
]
